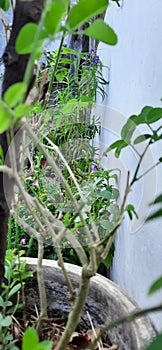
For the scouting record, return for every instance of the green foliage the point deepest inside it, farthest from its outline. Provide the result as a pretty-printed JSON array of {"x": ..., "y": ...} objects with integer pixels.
[
  {"x": 155, "y": 286},
  {"x": 158, "y": 212},
  {"x": 1, "y": 156},
  {"x": 31, "y": 341},
  {"x": 13, "y": 95},
  {"x": 55, "y": 12},
  {"x": 83, "y": 11},
  {"x": 6, "y": 116},
  {"x": 148, "y": 116},
  {"x": 5, "y": 5},
  {"x": 25, "y": 39},
  {"x": 14, "y": 272},
  {"x": 130, "y": 209},
  {"x": 101, "y": 31},
  {"x": 156, "y": 343}
]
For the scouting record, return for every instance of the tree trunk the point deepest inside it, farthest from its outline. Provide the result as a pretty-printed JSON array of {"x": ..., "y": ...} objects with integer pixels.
[{"x": 15, "y": 66}]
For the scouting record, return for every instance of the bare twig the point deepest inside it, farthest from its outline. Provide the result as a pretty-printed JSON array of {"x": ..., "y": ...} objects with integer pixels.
[{"x": 99, "y": 341}]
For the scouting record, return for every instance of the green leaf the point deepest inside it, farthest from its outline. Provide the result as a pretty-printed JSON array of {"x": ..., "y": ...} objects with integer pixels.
[
  {"x": 142, "y": 138},
  {"x": 1, "y": 156},
  {"x": 101, "y": 31},
  {"x": 107, "y": 225},
  {"x": 14, "y": 94},
  {"x": 154, "y": 115},
  {"x": 128, "y": 129},
  {"x": 6, "y": 322},
  {"x": 105, "y": 194},
  {"x": 55, "y": 13},
  {"x": 44, "y": 345},
  {"x": 14, "y": 290},
  {"x": 158, "y": 199},
  {"x": 70, "y": 106},
  {"x": 119, "y": 144},
  {"x": 141, "y": 118},
  {"x": 25, "y": 39},
  {"x": 30, "y": 339},
  {"x": 22, "y": 110},
  {"x": 155, "y": 286},
  {"x": 84, "y": 10},
  {"x": 5, "y": 5},
  {"x": 1, "y": 302},
  {"x": 115, "y": 193},
  {"x": 155, "y": 215},
  {"x": 156, "y": 343},
  {"x": 6, "y": 116},
  {"x": 114, "y": 210},
  {"x": 131, "y": 210}
]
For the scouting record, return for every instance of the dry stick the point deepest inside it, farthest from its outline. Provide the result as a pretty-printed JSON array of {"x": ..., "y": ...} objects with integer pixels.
[
  {"x": 125, "y": 319},
  {"x": 99, "y": 342}
]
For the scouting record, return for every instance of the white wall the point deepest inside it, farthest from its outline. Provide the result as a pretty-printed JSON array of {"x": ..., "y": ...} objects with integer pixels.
[{"x": 135, "y": 73}]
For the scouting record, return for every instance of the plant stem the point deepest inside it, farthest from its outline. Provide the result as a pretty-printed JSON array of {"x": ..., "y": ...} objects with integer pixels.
[
  {"x": 76, "y": 311},
  {"x": 53, "y": 73},
  {"x": 67, "y": 278},
  {"x": 30, "y": 64},
  {"x": 147, "y": 171},
  {"x": 131, "y": 317},
  {"x": 139, "y": 164},
  {"x": 41, "y": 286}
]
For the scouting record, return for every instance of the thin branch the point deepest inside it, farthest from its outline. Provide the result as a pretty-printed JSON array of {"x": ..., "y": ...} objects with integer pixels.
[
  {"x": 134, "y": 179},
  {"x": 127, "y": 190},
  {"x": 58, "y": 250},
  {"x": 126, "y": 319},
  {"x": 56, "y": 149},
  {"x": 41, "y": 286},
  {"x": 67, "y": 278},
  {"x": 76, "y": 311},
  {"x": 148, "y": 170},
  {"x": 78, "y": 248}
]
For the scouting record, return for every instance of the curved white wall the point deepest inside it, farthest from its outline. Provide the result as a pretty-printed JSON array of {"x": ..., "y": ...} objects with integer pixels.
[{"x": 135, "y": 73}]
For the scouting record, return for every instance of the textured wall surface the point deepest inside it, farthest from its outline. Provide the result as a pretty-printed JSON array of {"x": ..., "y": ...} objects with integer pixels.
[{"x": 135, "y": 73}]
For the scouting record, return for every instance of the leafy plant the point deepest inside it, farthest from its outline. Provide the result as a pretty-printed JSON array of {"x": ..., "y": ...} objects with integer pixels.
[
  {"x": 80, "y": 196},
  {"x": 15, "y": 277}
]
